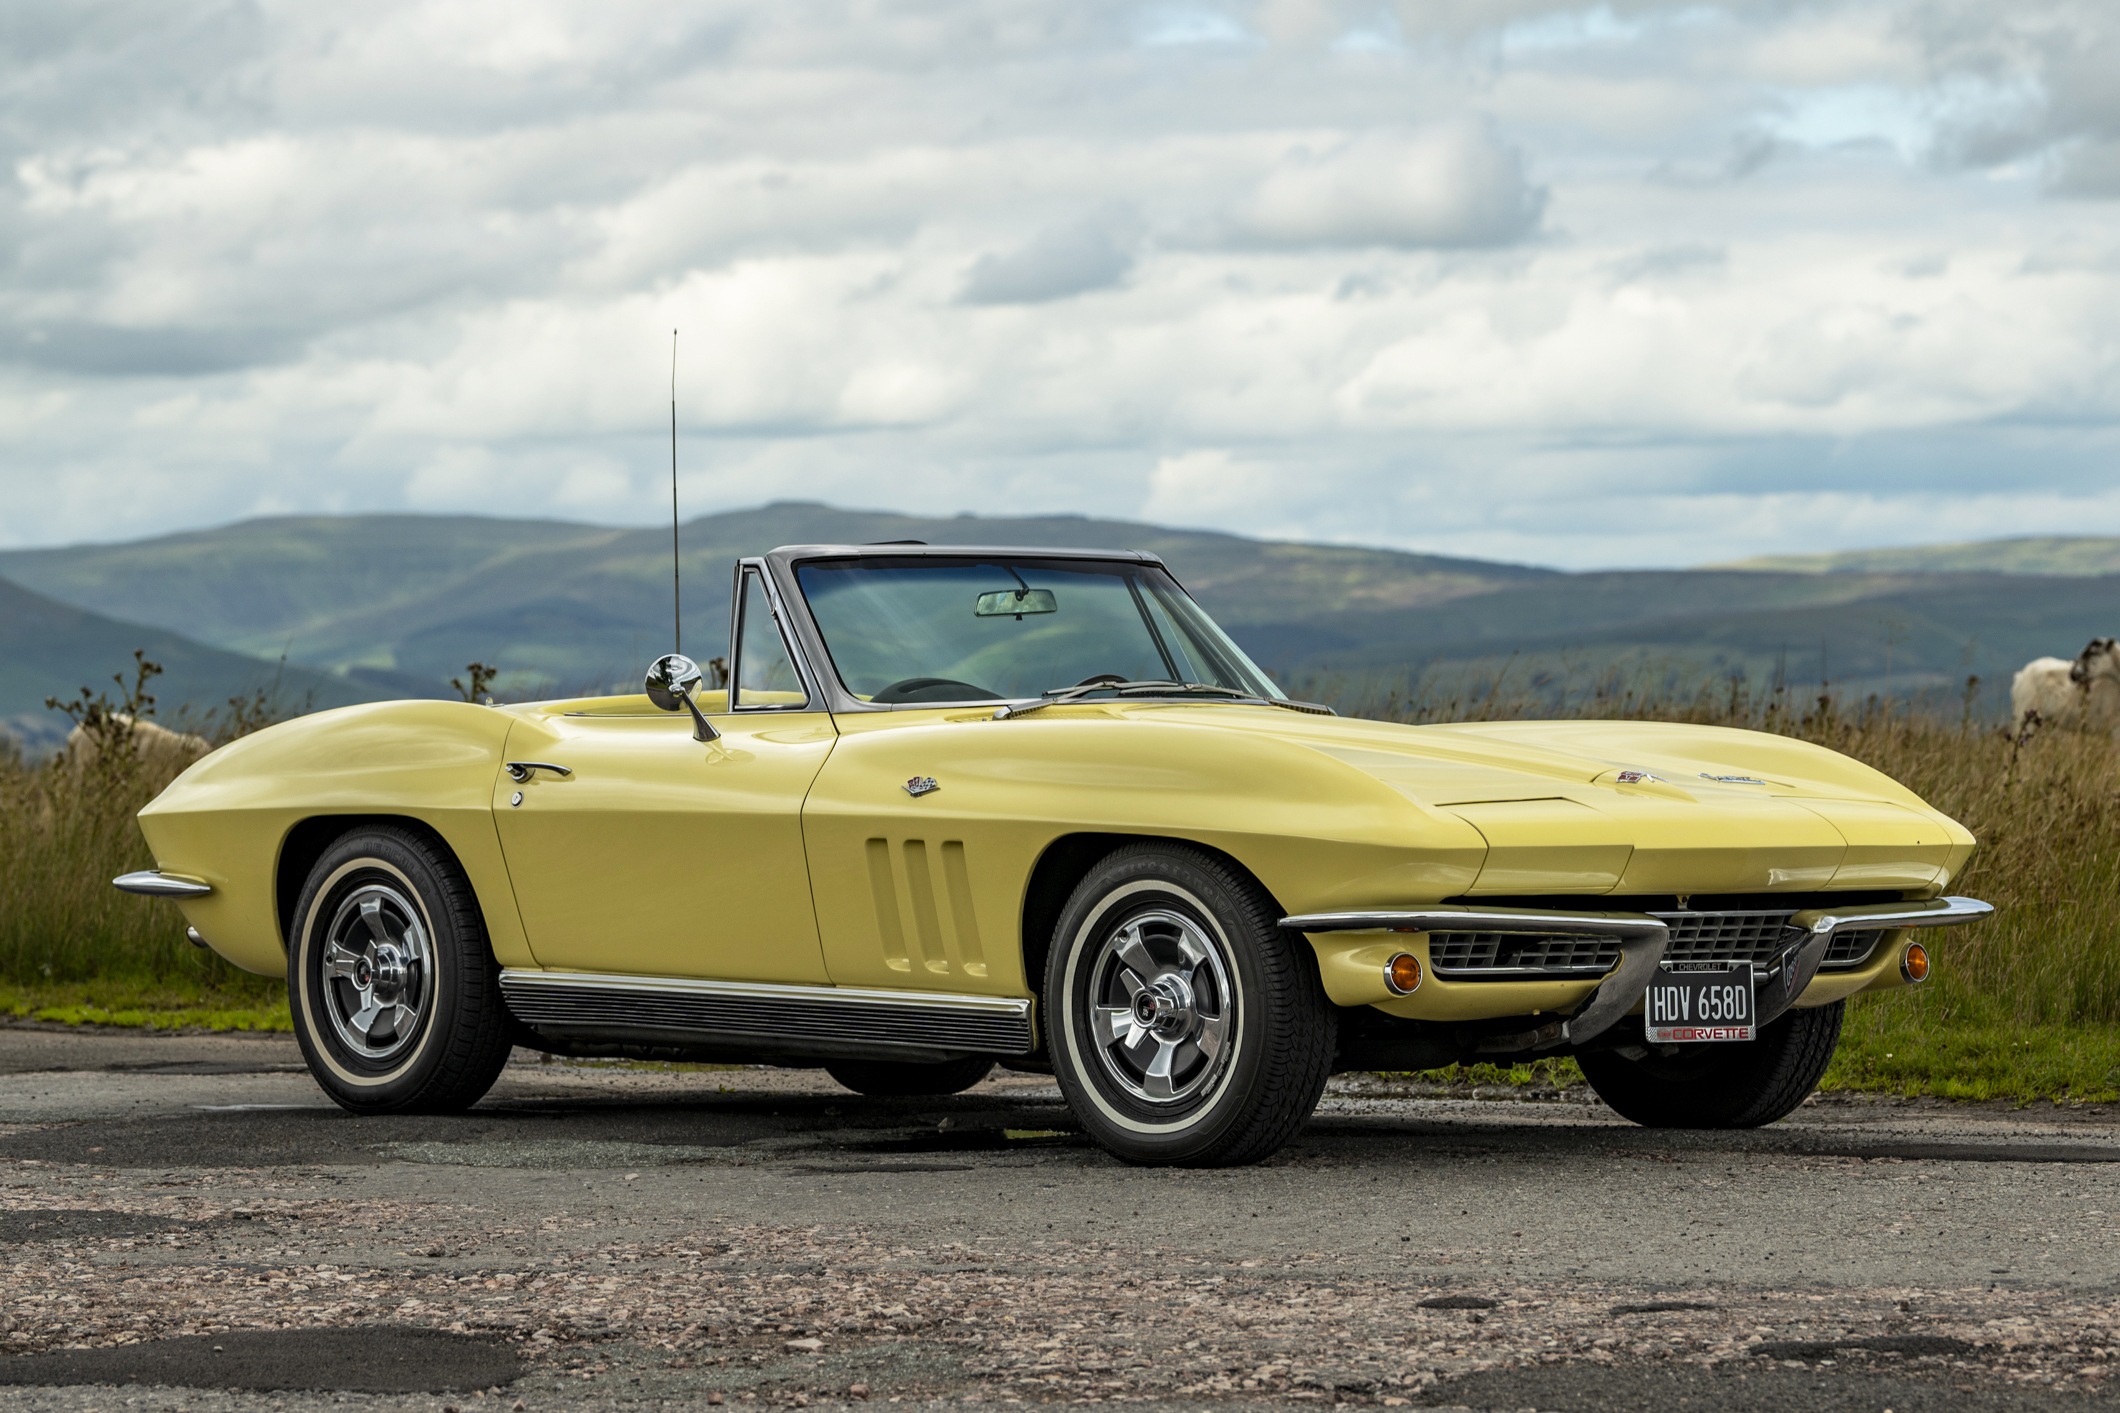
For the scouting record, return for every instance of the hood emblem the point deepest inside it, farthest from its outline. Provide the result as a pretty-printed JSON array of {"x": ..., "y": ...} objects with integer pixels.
[
  {"x": 1636, "y": 777},
  {"x": 921, "y": 785},
  {"x": 1732, "y": 779}
]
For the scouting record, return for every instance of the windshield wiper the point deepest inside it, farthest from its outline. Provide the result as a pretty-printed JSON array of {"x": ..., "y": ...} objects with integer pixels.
[{"x": 1062, "y": 695}]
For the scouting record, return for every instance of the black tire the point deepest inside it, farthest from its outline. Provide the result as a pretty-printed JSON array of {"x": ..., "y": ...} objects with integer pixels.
[
  {"x": 888, "y": 1078},
  {"x": 1735, "y": 1085},
  {"x": 437, "y": 1033},
  {"x": 1254, "y": 1000}
]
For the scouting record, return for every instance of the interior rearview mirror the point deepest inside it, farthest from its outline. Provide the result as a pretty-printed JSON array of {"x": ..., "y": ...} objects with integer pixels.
[
  {"x": 1014, "y": 603},
  {"x": 671, "y": 679}
]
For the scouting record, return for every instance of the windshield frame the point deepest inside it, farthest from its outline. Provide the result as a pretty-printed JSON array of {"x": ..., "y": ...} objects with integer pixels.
[{"x": 782, "y": 564}]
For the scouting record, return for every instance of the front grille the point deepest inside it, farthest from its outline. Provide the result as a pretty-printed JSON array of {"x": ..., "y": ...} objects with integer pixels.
[
  {"x": 1512, "y": 953},
  {"x": 1851, "y": 949},
  {"x": 1726, "y": 939},
  {"x": 1698, "y": 939}
]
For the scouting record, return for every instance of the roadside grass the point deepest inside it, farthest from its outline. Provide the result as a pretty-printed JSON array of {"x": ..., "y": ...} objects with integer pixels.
[
  {"x": 1536, "y": 1075},
  {"x": 154, "y": 1005},
  {"x": 2022, "y": 1006},
  {"x": 1892, "y": 1044},
  {"x": 67, "y": 829},
  {"x": 1898, "y": 1043}
]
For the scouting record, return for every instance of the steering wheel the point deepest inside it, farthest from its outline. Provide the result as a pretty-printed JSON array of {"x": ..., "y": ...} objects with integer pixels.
[{"x": 933, "y": 689}]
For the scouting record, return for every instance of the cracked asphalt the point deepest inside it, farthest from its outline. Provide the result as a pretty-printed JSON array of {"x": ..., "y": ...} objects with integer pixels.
[{"x": 186, "y": 1223}]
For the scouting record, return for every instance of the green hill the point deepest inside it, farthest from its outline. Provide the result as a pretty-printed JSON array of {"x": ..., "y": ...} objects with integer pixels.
[
  {"x": 2059, "y": 556},
  {"x": 396, "y": 604},
  {"x": 573, "y": 607},
  {"x": 1876, "y": 633},
  {"x": 51, "y": 649}
]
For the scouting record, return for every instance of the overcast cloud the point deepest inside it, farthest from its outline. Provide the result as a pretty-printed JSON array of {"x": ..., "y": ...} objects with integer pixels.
[{"x": 1633, "y": 283}]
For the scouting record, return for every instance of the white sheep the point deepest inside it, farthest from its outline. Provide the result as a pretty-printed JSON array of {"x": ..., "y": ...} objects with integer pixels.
[
  {"x": 153, "y": 744},
  {"x": 2083, "y": 695}
]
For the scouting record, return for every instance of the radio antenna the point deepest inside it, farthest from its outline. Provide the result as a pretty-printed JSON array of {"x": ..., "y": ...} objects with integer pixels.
[{"x": 677, "y": 608}]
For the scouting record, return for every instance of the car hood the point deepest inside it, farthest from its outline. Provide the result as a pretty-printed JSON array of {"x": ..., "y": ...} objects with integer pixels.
[{"x": 1630, "y": 807}]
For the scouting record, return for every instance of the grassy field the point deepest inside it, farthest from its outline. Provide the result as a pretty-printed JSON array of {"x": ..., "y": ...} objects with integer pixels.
[
  {"x": 71, "y": 944},
  {"x": 183, "y": 1004},
  {"x": 2024, "y": 1006}
]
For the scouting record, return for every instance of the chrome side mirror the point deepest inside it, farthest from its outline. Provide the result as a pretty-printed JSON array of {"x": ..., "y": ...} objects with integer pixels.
[{"x": 671, "y": 680}]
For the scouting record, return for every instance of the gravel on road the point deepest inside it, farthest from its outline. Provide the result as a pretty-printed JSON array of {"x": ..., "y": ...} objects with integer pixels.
[{"x": 607, "y": 1236}]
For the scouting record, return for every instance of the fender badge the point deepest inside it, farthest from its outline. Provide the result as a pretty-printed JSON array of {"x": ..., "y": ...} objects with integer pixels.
[
  {"x": 1635, "y": 777},
  {"x": 1732, "y": 779},
  {"x": 921, "y": 785}
]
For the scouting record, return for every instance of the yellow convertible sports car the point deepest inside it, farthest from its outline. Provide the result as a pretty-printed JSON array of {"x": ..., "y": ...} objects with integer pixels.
[{"x": 957, "y": 807}]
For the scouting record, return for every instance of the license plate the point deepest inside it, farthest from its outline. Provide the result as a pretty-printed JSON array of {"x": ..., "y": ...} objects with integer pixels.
[{"x": 1690, "y": 1007}]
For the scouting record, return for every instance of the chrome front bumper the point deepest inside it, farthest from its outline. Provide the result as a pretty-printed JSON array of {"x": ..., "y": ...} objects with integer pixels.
[
  {"x": 1642, "y": 940},
  {"x": 161, "y": 885}
]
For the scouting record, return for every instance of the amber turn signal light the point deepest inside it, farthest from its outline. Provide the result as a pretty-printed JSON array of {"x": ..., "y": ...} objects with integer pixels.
[
  {"x": 1914, "y": 962},
  {"x": 1403, "y": 974}
]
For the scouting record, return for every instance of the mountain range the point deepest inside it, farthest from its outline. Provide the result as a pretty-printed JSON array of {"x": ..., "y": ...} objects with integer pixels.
[{"x": 368, "y": 607}]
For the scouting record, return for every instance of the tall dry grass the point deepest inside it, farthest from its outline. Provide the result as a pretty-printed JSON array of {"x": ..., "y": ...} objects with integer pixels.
[
  {"x": 65, "y": 833},
  {"x": 2045, "y": 806},
  {"x": 67, "y": 829}
]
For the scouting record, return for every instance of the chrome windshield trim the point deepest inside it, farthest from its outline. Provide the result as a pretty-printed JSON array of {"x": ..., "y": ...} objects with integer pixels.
[
  {"x": 792, "y": 639},
  {"x": 1025, "y": 706},
  {"x": 781, "y": 565},
  {"x": 152, "y": 884}
]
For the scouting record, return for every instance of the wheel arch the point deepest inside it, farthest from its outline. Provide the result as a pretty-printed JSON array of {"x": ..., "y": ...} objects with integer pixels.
[
  {"x": 1062, "y": 866},
  {"x": 308, "y": 839}
]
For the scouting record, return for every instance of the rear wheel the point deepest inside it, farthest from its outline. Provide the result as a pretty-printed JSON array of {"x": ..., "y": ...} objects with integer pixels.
[
  {"x": 1741, "y": 1085},
  {"x": 1185, "y": 1025},
  {"x": 393, "y": 988},
  {"x": 885, "y": 1078}
]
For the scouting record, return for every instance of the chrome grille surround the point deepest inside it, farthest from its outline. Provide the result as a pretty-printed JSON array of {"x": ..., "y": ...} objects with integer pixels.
[{"x": 1698, "y": 940}]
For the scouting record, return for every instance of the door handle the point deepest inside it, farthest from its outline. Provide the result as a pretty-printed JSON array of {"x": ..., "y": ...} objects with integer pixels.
[{"x": 519, "y": 770}]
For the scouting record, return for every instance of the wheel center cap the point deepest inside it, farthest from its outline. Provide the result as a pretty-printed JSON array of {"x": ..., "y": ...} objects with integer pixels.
[
  {"x": 389, "y": 971},
  {"x": 1165, "y": 1005}
]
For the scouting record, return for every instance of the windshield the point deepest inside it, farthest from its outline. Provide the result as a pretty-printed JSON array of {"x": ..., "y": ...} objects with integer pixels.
[{"x": 992, "y": 629}]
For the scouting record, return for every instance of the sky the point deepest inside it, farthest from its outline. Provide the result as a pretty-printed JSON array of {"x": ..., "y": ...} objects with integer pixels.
[{"x": 1624, "y": 284}]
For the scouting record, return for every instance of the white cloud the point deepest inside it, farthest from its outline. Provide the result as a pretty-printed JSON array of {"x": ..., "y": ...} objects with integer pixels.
[
  {"x": 1211, "y": 487},
  {"x": 1071, "y": 258},
  {"x": 1464, "y": 275},
  {"x": 1456, "y": 184}
]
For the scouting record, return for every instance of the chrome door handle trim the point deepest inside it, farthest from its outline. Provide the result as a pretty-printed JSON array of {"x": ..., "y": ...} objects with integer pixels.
[{"x": 519, "y": 770}]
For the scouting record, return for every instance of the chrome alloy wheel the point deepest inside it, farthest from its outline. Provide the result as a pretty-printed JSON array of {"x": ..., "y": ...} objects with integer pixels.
[
  {"x": 378, "y": 969},
  {"x": 1161, "y": 1007}
]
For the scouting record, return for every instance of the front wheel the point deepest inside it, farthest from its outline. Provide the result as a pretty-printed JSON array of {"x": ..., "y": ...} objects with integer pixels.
[
  {"x": 1736, "y": 1085},
  {"x": 1185, "y": 1025},
  {"x": 394, "y": 991}
]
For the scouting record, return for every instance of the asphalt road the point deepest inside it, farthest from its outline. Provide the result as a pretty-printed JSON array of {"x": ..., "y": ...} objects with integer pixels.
[{"x": 185, "y": 1222}]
